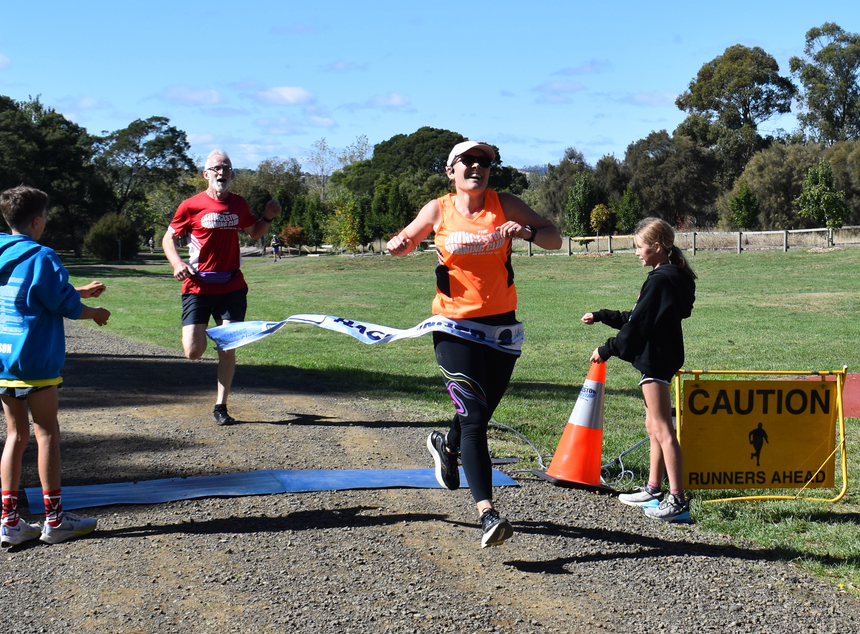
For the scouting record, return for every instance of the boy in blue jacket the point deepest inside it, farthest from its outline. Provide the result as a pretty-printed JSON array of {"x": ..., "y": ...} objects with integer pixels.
[{"x": 35, "y": 296}]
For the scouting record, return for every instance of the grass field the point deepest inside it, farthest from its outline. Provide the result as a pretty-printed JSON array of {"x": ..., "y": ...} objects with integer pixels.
[{"x": 754, "y": 311}]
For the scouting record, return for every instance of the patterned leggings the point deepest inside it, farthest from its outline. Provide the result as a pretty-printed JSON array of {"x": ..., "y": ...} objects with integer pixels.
[{"x": 476, "y": 376}]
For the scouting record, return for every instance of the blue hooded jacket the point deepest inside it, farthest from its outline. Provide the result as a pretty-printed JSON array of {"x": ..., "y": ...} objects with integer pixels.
[{"x": 35, "y": 296}]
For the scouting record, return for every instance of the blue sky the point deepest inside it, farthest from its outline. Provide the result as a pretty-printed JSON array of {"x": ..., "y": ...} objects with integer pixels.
[{"x": 265, "y": 79}]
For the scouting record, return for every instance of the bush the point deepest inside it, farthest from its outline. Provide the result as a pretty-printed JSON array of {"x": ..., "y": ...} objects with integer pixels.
[
  {"x": 113, "y": 237},
  {"x": 293, "y": 236}
]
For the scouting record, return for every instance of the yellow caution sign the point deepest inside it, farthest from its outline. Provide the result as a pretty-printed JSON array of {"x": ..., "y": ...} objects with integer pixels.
[{"x": 758, "y": 434}]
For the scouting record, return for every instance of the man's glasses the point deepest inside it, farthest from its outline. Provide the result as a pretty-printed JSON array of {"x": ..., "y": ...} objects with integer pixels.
[
  {"x": 470, "y": 159},
  {"x": 219, "y": 168}
]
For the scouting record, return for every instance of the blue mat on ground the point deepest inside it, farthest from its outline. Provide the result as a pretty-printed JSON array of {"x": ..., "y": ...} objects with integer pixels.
[{"x": 253, "y": 483}]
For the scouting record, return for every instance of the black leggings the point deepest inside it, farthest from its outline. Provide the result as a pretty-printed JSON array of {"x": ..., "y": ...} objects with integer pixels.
[{"x": 476, "y": 376}]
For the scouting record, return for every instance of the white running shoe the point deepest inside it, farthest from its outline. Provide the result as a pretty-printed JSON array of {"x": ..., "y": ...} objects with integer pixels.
[
  {"x": 18, "y": 534},
  {"x": 72, "y": 526}
]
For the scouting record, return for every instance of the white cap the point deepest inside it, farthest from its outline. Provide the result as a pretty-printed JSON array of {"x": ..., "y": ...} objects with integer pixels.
[{"x": 465, "y": 146}]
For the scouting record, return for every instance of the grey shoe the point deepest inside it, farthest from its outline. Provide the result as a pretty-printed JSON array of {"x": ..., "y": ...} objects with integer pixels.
[
  {"x": 641, "y": 497},
  {"x": 447, "y": 471},
  {"x": 672, "y": 509}
]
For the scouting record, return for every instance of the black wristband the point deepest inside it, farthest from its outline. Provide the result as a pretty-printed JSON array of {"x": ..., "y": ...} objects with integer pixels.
[
  {"x": 533, "y": 232},
  {"x": 264, "y": 219}
]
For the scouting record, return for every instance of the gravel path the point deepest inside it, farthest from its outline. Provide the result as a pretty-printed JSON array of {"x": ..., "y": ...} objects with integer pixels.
[{"x": 354, "y": 561}]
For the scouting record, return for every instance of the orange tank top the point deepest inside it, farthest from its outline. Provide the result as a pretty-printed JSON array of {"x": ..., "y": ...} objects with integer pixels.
[{"x": 474, "y": 277}]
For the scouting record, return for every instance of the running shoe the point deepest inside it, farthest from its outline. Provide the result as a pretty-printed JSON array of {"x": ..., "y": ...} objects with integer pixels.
[
  {"x": 496, "y": 529},
  {"x": 447, "y": 471},
  {"x": 672, "y": 509},
  {"x": 641, "y": 496},
  {"x": 18, "y": 534},
  {"x": 72, "y": 526},
  {"x": 221, "y": 416}
]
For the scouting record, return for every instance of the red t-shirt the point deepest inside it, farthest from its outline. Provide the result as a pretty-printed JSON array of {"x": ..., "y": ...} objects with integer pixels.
[{"x": 212, "y": 227}]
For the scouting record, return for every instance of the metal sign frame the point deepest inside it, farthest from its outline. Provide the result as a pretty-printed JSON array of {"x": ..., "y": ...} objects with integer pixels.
[{"x": 840, "y": 446}]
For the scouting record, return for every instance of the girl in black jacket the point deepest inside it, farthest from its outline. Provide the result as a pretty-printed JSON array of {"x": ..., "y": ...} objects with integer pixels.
[{"x": 650, "y": 337}]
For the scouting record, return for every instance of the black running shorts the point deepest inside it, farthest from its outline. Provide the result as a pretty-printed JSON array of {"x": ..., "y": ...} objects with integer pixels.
[{"x": 197, "y": 309}]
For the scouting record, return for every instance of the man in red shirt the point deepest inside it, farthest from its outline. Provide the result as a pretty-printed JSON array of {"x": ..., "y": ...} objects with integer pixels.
[{"x": 212, "y": 283}]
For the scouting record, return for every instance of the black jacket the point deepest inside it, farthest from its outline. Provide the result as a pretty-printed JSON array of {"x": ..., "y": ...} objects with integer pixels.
[{"x": 650, "y": 336}]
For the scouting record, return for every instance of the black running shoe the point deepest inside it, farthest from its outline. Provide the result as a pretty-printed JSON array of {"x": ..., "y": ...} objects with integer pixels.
[
  {"x": 221, "y": 416},
  {"x": 496, "y": 529},
  {"x": 447, "y": 471}
]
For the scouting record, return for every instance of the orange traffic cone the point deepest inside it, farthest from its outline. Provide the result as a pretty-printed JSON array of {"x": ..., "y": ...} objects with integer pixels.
[{"x": 576, "y": 463}]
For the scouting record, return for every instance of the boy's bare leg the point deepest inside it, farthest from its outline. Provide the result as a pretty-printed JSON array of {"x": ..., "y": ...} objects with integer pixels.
[
  {"x": 17, "y": 436},
  {"x": 44, "y": 405}
]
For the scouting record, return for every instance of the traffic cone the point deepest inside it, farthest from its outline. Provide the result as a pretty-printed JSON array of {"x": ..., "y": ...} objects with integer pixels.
[{"x": 576, "y": 462}]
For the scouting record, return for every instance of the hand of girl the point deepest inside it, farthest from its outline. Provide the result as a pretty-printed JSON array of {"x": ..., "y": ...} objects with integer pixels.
[
  {"x": 595, "y": 357},
  {"x": 588, "y": 318}
]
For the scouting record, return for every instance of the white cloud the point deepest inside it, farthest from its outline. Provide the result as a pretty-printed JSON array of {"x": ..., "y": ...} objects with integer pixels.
[
  {"x": 4, "y": 61},
  {"x": 225, "y": 112},
  {"x": 280, "y": 126},
  {"x": 590, "y": 67},
  {"x": 556, "y": 92},
  {"x": 196, "y": 138},
  {"x": 285, "y": 96},
  {"x": 651, "y": 99},
  {"x": 384, "y": 102},
  {"x": 322, "y": 122},
  {"x": 190, "y": 96},
  {"x": 81, "y": 103},
  {"x": 391, "y": 100},
  {"x": 342, "y": 66}
]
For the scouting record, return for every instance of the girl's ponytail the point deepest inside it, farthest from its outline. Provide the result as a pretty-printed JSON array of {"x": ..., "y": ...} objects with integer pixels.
[{"x": 676, "y": 257}]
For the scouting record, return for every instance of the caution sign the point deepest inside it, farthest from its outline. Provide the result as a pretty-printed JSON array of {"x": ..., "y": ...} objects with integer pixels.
[{"x": 758, "y": 434}]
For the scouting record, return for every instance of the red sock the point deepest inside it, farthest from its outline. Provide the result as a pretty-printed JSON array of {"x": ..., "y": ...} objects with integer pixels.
[
  {"x": 10, "y": 508},
  {"x": 53, "y": 507}
]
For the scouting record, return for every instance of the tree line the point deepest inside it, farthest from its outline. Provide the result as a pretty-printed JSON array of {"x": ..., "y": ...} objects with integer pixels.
[{"x": 717, "y": 169}]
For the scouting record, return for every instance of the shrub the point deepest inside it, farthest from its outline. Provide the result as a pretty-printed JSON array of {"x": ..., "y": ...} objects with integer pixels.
[
  {"x": 293, "y": 236},
  {"x": 113, "y": 237}
]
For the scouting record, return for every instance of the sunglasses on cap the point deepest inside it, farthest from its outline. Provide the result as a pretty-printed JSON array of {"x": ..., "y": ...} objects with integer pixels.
[{"x": 470, "y": 159}]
